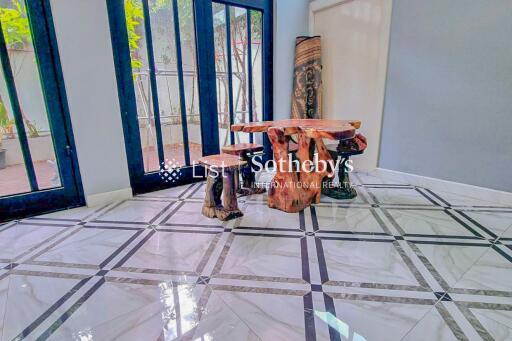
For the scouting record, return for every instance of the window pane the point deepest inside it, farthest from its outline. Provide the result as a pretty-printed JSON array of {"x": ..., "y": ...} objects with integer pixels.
[
  {"x": 257, "y": 66},
  {"x": 188, "y": 50},
  {"x": 141, "y": 81},
  {"x": 239, "y": 64},
  {"x": 219, "y": 31},
  {"x": 17, "y": 34},
  {"x": 165, "y": 52},
  {"x": 13, "y": 175},
  {"x": 257, "y": 70}
]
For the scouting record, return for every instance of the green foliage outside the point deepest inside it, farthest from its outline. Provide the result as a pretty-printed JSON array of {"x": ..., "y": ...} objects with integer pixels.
[
  {"x": 16, "y": 30},
  {"x": 15, "y": 25},
  {"x": 135, "y": 18}
]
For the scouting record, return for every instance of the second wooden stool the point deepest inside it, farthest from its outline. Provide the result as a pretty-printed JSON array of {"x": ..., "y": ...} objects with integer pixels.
[{"x": 246, "y": 152}]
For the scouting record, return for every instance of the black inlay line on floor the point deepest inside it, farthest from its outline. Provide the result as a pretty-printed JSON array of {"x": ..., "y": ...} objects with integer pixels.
[
  {"x": 54, "y": 219},
  {"x": 334, "y": 335},
  {"x": 353, "y": 239},
  {"x": 37, "y": 322},
  {"x": 192, "y": 225},
  {"x": 121, "y": 248},
  {"x": 166, "y": 219},
  {"x": 96, "y": 211},
  {"x": 110, "y": 209},
  {"x": 446, "y": 236},
  {"x": 372, "y": 196},
  {"x": 177, "y": 307},
  {"x": 309, "y": 317},
  {"x": 120, "y": 222},
  {"x": 305, "y": 259},
  {"x": 120, "y": 228},
  {"x": 354, "y": 233},
  {"x": 322, "y": 265},
  {"x": 474, "y": 222},
  {"x": 29, "y": 223},
  {"x": 502, "y": 253},
  {"x": 68, "y": 313},
  {"x": 152, "y": 199},
  {"x": 435, "y": 242},
  {"x": 302, "y": 221},
  {"x": 438, "y": 197},
  {"x": 8, "y": 225},
  {"x": 466, "y": 226},
  {"x": 267, "y": 235},
  {"x": 314, "y": 218},
  {"x": 466, "y": 209},
  {"x": 182, "y": 194},
  {"x": 391, "y": 186},
  {"x": 134, "y": 249},
  {"x": 457, "y": 332},
  {"x": 160, "y": 213},
  {"x": 194, "y": 191},
  {"x": 381, "y": 222},
  {"x": 426, "y": 196},
  {"x": 267, "y": 229},
  {"x": 189, "y": 231}
]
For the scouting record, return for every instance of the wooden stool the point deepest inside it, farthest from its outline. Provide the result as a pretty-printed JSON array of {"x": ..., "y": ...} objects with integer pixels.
[
  {"x": 222, "y": 170},
  {"x": 344, "y": 149},
  {"x": 246, "y": 153}
]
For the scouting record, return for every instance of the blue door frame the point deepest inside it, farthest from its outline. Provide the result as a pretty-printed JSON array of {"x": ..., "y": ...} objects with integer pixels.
[
  {"x": 70, "y": 194},
  {"x": 142, "y": 182}
]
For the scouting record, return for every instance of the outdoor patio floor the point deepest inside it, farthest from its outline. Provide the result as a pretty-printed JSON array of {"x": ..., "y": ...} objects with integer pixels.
[
  {"x": 13, "y": 179},
  {"x": 398, "y": 262}
]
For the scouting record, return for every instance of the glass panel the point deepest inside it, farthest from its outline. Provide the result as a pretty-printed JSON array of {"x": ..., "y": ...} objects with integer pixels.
[
  {"x": 165, "y": 52},
  {"x": 257, "y": 70},
  {"x": 240, "y": 67},
  {"x": 13, "y": 175},
  {"x": 164, "y": 47},
  {"x": 219, "y": 31},
  {"x": 141, "y": 81},
  {"x": 257, "y": 65},
  {"x": 188, "y": 50},
  {"x": 25, "y": 70}
]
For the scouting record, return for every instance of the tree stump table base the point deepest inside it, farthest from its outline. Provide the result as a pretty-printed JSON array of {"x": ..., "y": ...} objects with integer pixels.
[
  {"x": 220, "y": 199},
  {"x": 293, "y": 191}
]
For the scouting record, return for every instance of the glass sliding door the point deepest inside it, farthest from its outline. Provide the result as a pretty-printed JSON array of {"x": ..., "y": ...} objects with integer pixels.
[
  {"x": 238, "y": 65},
  {"x": 36, "y": 159},
  {"x": 183, "y": 79}
]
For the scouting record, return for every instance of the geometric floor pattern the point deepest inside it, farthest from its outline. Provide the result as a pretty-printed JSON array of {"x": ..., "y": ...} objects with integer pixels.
[{"x": 398, "y": 262}]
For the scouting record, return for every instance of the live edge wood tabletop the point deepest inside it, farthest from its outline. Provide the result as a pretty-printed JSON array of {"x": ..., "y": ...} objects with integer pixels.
[{"x": 293, "y": 191}]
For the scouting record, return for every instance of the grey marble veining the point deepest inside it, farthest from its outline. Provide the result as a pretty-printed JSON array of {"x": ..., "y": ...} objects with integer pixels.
[{"x": 397, "y": 263}]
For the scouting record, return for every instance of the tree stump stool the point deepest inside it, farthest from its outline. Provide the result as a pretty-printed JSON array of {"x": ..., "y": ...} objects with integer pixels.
[
  {"x": 344, "y": 149},
  {"x": 222, "y": 170},
  {"x": 246, "y": 152}
]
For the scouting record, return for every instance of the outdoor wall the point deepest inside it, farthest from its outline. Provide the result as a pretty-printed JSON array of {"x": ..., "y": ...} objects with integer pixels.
[
  {"x": 448, "y": 100},
  {"x": 85, "y": 48},
  {"x": 290, "y": 21}
]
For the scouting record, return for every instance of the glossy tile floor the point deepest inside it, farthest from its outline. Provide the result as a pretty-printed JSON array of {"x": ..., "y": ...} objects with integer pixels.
[{"x": 397, "y": 263}]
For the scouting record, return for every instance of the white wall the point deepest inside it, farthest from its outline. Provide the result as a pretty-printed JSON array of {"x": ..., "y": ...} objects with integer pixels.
[
  {"x": 355, "y": 39},
  {"x": 448, "y": 103},
  {"x": 290, "y": 21},
  {"x": 85, "y": 48}
]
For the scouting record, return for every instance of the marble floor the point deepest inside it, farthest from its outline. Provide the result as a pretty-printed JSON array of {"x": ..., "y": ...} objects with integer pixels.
[{"x": 399, "y": 262}]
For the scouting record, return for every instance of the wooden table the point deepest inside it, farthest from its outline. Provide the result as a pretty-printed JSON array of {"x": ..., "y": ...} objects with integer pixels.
[{"x": 294, "y": 191}]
